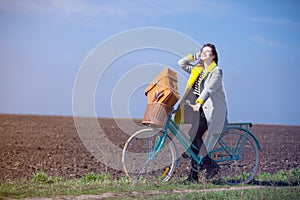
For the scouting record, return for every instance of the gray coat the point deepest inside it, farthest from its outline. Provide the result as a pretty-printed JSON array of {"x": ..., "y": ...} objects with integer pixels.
[{"x": 212, "y": 96}]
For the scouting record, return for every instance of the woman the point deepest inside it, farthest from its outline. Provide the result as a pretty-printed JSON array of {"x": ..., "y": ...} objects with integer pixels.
[{"x": 209, "y": 111}]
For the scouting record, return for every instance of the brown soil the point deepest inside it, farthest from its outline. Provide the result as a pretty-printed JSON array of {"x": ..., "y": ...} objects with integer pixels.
[{"x": 51, "y": 144}]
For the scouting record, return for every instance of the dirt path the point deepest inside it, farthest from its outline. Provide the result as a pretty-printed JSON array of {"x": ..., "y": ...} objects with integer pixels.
[{"x": 109, "y": 195}]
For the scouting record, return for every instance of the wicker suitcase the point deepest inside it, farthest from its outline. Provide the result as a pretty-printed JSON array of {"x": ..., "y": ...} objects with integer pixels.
[{"x": 163, "y": 88}]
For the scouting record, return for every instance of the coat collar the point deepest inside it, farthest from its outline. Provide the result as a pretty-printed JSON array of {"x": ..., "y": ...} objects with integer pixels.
[
  {"x": 198, "y": 70},
  {"x": 212, "y": 65},
  {"x": 194, "y": 75}
]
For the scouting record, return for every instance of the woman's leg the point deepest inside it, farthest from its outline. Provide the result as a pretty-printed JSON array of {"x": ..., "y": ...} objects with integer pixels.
[
  {"x": 210, "y": 165},
  {"x": 198, "y": 141},
  {"x": 199, "y": 127}
]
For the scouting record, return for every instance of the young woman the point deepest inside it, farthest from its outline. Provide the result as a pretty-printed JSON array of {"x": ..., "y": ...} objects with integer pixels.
[{"x": 203, "y": 104}]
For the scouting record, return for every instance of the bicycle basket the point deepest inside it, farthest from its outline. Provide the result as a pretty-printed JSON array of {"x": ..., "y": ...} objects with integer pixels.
[{"x": 156, "y": 114}]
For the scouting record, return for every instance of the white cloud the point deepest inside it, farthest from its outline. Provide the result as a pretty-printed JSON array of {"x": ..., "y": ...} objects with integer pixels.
[
  {"x": 175, "y": 7},
  {"x": 60, "y": 7},
  {"x": 265, "y": 41},
  {"x": 115, "y": 8},
  {"x": 87, "y": 8},
  {"x": 119, "y": 14},
  {"x": 276, "y": 21}
]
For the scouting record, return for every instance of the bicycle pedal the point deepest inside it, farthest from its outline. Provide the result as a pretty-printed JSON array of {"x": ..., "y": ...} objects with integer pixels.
[
  {"x": 196, "y": 167},
  {"x": 185, "y": 155}
]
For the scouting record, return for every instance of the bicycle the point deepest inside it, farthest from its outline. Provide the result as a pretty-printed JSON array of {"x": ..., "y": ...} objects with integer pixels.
[{"x": 151, "y": 153}]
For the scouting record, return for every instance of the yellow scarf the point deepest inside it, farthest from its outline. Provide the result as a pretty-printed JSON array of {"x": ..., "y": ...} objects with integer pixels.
[{"x": 192, "y": 79}]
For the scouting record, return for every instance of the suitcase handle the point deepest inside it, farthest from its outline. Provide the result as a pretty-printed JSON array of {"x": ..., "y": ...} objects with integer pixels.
[
  {"x": 155, "y": 83},
  {"x": 150, "y": 88},
  {"x": 157, "y": 96}
]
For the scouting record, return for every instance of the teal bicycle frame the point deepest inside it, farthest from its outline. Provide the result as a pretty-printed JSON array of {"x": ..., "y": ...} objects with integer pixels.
[
  {"x": 185, "y": 141},
  {"x": 244, "y": 127}
]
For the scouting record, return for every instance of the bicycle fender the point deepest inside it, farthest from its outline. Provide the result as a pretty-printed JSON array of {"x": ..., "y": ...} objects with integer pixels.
[{"x": 249, "y": 132}]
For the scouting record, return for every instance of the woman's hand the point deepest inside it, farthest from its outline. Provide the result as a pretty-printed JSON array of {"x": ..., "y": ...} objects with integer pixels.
[
  {"x": 197, "y": 55},
  {"x": 195, "y": 107}
]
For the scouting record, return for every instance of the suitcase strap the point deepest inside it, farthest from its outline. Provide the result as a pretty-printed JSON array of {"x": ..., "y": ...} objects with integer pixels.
[{"x": 158, "y": 95}]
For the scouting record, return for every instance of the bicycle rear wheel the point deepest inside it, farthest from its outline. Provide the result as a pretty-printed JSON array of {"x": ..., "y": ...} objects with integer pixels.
[
  {"x": 237, "y": 156},
  {"x": 149, "y": 154}
]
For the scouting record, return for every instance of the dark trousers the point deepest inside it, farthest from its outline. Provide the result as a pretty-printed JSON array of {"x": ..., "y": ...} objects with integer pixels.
[
  {"x": 198, "y": 141},
  {"x": 207, "y": 163}
]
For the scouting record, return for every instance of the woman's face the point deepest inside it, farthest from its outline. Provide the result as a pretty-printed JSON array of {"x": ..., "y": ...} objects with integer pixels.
[{"x": 206, "y": 54}]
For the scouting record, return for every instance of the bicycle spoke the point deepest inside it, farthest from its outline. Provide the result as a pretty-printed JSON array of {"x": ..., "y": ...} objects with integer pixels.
[
  {"x": 237, "y": 157},
  {"x": 148, "y": 155}
]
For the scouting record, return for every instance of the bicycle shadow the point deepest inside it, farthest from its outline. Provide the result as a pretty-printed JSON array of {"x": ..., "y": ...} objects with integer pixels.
[
  {"x": 264, "y": 183},
  {"x": 275, "y": 183}
]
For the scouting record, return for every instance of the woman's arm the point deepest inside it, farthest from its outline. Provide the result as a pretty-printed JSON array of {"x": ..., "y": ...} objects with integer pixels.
[{"x": 185, "y": 62}]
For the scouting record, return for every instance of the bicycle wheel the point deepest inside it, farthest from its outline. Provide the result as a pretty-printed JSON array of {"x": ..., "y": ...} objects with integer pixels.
[
  {"x": 148, "y": 154},
  {"x": 237, "y": 156}
]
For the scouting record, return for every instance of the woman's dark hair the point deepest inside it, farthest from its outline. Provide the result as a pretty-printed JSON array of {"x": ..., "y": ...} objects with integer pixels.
[{"x": 214, "y": 51}]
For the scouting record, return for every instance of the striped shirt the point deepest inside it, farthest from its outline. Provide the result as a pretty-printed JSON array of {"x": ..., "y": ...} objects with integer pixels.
[{"x": 196, "y": 86}]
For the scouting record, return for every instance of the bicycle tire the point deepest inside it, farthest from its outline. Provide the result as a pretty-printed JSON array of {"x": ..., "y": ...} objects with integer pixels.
[
  {"x": 238, "y": 162},
  {"x": 142, "y": 161}
]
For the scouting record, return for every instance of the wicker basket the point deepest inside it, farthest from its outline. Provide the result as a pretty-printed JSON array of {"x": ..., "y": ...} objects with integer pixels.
[{"x": 156, "y": 114}]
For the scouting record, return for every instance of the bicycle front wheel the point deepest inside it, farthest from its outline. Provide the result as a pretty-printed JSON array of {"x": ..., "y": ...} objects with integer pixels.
[
  {"x": 237, "y": 156},
  {"x": 149, "y": 154}
]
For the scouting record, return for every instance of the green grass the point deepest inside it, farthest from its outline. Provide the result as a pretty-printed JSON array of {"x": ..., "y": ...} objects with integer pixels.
[
  {"x": 267, "y": 193},
  {"x": 42, "y": 185},
  {"x": 281, "y": 178}
]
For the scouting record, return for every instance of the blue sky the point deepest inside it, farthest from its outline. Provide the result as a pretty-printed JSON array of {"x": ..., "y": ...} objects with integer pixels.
[{"x": 44, "y": 43}]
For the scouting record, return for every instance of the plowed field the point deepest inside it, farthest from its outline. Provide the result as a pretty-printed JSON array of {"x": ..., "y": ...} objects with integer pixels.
[{"x": 51, "y": 144}]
